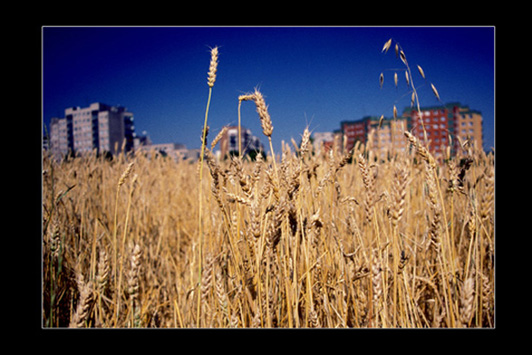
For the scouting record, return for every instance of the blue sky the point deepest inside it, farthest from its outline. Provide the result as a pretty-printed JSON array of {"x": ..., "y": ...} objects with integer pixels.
[{"x": 315, "y": 76}]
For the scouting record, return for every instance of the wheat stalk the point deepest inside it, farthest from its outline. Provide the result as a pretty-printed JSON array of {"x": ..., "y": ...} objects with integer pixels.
[{"x": 213, "y": 67}]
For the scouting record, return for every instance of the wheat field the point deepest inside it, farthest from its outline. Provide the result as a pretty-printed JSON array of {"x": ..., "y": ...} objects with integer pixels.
[{"x": 333, "y": 239}]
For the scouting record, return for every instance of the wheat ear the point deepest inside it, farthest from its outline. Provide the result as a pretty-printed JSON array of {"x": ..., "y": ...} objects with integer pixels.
[{"x": 84, "y": 303}]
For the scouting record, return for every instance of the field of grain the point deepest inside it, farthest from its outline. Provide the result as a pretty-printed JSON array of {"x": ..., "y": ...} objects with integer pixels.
[{"x": 335, "y": 239}]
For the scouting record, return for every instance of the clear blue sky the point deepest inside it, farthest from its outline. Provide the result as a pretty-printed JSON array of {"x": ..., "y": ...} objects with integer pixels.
[{"x": 316, "y": 76}]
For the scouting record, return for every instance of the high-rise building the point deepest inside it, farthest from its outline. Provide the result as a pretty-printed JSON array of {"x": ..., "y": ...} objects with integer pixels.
[{"x": 99, "y": 126}]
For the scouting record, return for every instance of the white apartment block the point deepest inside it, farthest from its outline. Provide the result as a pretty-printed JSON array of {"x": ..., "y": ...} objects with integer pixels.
[
  {"x": 320, "y": 138},
  {"x": 99, "y": 126}
]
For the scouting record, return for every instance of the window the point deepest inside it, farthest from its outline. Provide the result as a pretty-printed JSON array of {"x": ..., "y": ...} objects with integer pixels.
[{"x": 442, "y": 118}]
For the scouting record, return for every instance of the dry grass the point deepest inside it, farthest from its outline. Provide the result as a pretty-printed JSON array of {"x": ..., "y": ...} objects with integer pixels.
[{"x": 330, "y": 240}]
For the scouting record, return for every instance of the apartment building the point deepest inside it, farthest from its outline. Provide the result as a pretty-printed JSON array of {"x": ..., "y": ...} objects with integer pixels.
[
  {"x": 385, "y": 135},
  {"x": 445, "y": 126},
  {"x": 353, "y": 131},
  {"x": 468, "y": 125},
  {"x": 99, "y": 126}
]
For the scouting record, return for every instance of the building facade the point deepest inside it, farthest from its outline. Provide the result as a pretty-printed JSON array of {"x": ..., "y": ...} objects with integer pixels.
[
  {"x": 229, "y": 142},
  {"x": 445, "y": 126},
  {"x": 353, "y": 131},
  {"x": 385, "y": 134},
  {"x": 99, "y": 126}
]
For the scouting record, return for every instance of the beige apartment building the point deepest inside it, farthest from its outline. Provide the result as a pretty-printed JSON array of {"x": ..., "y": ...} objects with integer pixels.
[
  {"x": 387, "y": 136},
  {"x": 468, "y": 125}
]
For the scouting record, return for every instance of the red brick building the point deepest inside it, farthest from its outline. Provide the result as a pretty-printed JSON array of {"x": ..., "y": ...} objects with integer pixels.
[
  {"x": 354, "y": 131},
  {"x": 453, "y": 120}
]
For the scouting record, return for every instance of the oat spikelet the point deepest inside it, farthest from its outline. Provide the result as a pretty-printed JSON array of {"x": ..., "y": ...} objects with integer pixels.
[
  {"x": 387, "y": 46},
  {"x": 380, "y": 121},
  {"x": 381, "y": 79},
  {"x": 421, "y": 71},
  {"x": 403, "y": 57},
  {"x": 213, "y": 67},
  {"x": 435, "y": 92}
]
